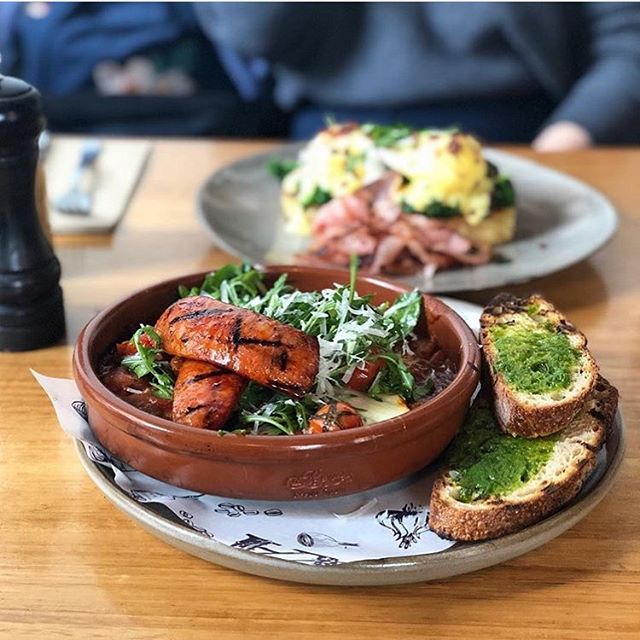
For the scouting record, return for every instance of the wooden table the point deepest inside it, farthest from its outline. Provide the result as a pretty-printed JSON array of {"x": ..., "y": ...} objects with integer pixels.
[{"x": 73, "y": 566}]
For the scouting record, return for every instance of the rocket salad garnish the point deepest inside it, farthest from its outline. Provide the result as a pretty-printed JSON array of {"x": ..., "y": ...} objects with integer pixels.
[{"x": 352, "y": 334}]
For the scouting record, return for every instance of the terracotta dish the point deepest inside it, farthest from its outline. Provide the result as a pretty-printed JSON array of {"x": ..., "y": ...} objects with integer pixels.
[{"x": 275, "y": 467}]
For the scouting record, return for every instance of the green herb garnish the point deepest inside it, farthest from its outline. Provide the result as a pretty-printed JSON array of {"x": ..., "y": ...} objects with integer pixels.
[
  {"x": 279, "y": 168},
  {"x": 316, "y": 198},
  {"x": 534, "y": 359},
  {"x": 435, "y": 209},
  {"x": 386, "y": 135},
  {"x": 405, "y": 312},
  {"x": 271, "y": 413},
  {"x": 145, "y": 362},
  {"x": 484, "y": 462},
  {"x": 233, "y": 284},
  {"x": 503, "y": 195}
]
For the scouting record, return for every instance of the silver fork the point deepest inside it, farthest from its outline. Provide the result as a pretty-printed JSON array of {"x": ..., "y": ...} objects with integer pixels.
[{"x": 79, "y": 197}]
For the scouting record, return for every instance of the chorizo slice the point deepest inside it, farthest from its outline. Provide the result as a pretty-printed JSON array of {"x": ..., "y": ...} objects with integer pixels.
[
  {"x": 268, "y": 352},
  {"x": 204, "y": 396}
]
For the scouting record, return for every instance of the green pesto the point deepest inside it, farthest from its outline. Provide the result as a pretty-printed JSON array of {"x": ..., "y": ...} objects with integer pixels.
[
  {"x": 488, "y": 463},
  {"x": 534, "y": 358}
]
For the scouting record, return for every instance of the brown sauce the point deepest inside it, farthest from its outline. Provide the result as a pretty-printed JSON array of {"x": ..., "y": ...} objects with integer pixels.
[{"x": 136, "y": 391}]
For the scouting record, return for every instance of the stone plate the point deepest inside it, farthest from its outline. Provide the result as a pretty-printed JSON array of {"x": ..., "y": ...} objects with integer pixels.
[
  {"x": 461, "y": 558},
  {"x": 560, "y": 221}
]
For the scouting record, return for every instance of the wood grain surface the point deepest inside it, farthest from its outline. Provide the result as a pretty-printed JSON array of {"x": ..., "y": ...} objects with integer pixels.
[{"x": 71, "y": 566}]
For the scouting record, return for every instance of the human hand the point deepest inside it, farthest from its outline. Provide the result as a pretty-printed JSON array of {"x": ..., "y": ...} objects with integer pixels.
[{"x": 562, "y": 136}]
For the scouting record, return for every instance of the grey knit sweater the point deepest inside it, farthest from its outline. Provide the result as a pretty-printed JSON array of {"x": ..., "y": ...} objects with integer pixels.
[{"x": 585, "y": 56}]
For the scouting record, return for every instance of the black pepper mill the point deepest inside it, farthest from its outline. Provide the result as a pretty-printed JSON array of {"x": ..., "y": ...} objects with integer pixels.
[{"x": 31, "y": 309}]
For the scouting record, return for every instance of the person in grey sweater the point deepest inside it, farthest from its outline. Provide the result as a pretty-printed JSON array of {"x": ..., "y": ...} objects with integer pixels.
[{"x": 558, "y": 74}]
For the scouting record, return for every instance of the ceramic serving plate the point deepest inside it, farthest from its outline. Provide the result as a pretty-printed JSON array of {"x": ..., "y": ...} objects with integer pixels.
[
  {"x": 560, "y": 221},
  {"x": 461, "y": 558}
]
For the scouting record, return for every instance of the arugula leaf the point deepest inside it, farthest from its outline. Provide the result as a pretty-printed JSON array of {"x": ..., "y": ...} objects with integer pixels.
[
  {"x": 272, "y": 413},
  {"x": 234, "y": 284},
  {"x": 280, "y": 167},
  {"x": 423, "y": 389},
  {"x": 405, "y": 312},
  {"x": 394, "y": 379},
  {"x": 145, "y": 363},
  {"x": 353, "y": 274}
]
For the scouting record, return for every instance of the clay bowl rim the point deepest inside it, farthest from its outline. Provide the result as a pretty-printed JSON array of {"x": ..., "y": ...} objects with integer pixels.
[{"x": 468, "y": 370}]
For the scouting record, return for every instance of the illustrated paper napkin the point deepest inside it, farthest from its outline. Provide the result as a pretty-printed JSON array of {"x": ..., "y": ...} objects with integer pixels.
[{"x": 388, "y": 522}]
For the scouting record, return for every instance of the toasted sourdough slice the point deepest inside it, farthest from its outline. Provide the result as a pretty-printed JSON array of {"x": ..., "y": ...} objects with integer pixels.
[
  {"x": 571, "y": 459},
  {"x": 542, "y": 384}
]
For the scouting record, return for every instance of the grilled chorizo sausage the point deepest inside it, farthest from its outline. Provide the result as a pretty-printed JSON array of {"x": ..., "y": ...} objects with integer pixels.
[
  {"x": 205, "y": 396},
  {"x": 268, "y": 352}
]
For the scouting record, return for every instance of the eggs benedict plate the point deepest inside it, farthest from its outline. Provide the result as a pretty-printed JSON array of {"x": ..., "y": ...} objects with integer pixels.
[{"x": 400, "y": 199}]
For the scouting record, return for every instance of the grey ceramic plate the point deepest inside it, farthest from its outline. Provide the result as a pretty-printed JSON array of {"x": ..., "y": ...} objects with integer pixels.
[
  {"x": 560, "y": 221},
  {"x": 461, "y": 558}
]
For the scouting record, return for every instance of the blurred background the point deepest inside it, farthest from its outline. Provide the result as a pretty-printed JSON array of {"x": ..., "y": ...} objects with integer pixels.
[{"x": 556, "y": 75}]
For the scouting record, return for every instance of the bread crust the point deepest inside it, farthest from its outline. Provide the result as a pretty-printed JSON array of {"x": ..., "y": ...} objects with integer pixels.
[
  {"x": 495, "y": 517},
  {"x": 515, "y": 413}
]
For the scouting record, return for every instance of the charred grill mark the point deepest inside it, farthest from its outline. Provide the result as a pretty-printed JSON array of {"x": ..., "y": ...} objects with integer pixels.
[
  {"x": 589, "y": 447},
  {"x": 236, "y": 335},
  {"x": 199, "y": 313},
  {"x": 565, "y": 327},
  {"x": 217, "y": 333},
  {"x": 205, "y": 376},
  {"x": 190, "y": 410}
]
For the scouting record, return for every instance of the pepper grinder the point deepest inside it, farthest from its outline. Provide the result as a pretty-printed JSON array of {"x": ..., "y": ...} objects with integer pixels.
[{"x": 31, "y": 308}]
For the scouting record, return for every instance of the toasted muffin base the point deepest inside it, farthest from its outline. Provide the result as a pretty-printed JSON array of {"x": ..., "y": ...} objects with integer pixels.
[{"x": 497, "y": 228}]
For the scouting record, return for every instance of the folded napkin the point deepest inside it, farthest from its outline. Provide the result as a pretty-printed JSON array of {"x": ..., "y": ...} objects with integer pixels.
[{"x": 117, "y": 171}]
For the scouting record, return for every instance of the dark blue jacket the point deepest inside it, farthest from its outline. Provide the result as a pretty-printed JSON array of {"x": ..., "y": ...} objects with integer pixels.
[{"x": 58, "y": 50}]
